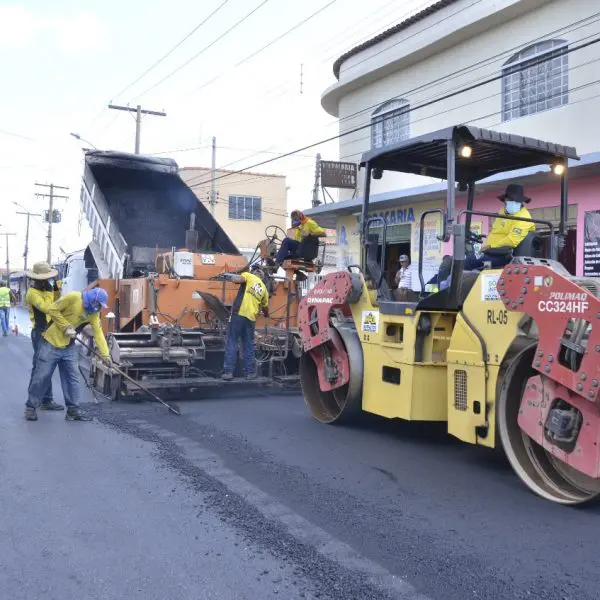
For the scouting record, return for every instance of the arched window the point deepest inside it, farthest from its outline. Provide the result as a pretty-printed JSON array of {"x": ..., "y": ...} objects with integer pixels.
[
  {"x": 390, "y": 123},
  {"x": 535, "y": 79}
]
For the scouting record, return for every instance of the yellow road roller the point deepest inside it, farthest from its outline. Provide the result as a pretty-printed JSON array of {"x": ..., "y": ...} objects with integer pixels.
[{"x": 505, "y": 356}]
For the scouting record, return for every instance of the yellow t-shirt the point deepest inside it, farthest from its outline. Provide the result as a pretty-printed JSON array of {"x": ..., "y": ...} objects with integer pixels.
[
  {"x": 508, "y": 233},
  {"x": 40, "y": 300},
  {"x": 255, "y": 297},
  {"x": 68, "y": 311},
  {"x": 309, "y": 227}
]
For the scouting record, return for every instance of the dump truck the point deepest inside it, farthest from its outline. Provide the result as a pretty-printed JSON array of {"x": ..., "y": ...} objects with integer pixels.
[
  {"x": 526, "y": 380},
  {"x": 160, "y": 255}
]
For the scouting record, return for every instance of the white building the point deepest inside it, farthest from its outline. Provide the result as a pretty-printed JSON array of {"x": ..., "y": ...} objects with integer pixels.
[{"x": 529, "y": 67}]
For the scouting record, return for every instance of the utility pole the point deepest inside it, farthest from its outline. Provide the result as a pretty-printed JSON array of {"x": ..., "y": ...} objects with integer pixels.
[
  {"x": 213, "y": 176},
  {"x": 315, "y": 195},
  {"x": 7, "y": 259},
  {"x": 51, "y": 196},
  {"x": 138, "y": 119},
  {"x": 26, "y": 253}
]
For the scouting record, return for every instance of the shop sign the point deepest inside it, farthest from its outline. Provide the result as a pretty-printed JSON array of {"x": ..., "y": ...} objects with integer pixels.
[{"x": 591, "y": 244}]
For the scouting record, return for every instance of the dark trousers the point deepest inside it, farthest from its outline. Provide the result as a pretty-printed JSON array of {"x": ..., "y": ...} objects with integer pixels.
[
  {"x": 36, "y": 336},
  {"x": 472, "y": 263},
  {"x": 241, "y": 329},
  {"x": 288, "y": 249}
]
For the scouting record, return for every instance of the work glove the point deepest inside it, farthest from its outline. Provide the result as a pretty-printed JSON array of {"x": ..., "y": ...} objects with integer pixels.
[{"x": 70, "y": 332}]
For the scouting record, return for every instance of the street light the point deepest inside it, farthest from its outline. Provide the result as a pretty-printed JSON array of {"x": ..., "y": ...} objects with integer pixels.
[{"x": 78, "y": 137}]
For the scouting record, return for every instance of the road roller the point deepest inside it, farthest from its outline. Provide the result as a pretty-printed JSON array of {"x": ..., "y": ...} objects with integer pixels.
[{"x": 508, "y": 357}]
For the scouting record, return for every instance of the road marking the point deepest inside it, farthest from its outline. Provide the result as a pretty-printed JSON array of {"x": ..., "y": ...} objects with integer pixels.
[{"x": 296, "y": 525}]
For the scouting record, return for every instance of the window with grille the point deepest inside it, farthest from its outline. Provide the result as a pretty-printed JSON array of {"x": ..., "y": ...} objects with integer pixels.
[
  {"x": 535, "y": 79},
  {"x": 245, "y": 208},
  {"x": 390, "y": 123}
]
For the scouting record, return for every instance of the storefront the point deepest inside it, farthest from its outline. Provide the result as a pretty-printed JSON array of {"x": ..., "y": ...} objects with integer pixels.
[{"x": 402, "y": 213}]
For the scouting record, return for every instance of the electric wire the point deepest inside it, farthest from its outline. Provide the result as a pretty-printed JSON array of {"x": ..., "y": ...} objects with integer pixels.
[
  {"x": 195, "y": 56},
  {"x": 442, "y": 98}
]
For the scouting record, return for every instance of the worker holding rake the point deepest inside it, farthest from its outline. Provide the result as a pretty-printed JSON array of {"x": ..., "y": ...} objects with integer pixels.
[{"x": 69, "y": 315}]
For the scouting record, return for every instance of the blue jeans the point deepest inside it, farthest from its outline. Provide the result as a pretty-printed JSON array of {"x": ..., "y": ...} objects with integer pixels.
[
  {"x": 472, "y": 263},
  {"x": 36, "y": 336},
  {"x": 242, "y": 329},
  {"x": 288, "y": 249},
  {"x": 48, "y": 359},
  {"x": 4, "y": 319}
]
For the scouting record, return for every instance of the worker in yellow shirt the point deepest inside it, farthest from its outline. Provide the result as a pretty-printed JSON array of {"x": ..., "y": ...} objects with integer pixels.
[
  {"x": 5, "y": 302},
  {"x": 69, "y": 315},
  {"x": 43, "y": 291},
  {"x": 506, "y": 234},
  {"x": 250, "y": 300},
  {"x": 302, "y": 227}
]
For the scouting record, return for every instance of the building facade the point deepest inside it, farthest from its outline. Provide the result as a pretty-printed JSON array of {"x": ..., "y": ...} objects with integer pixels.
[
  {"x": 246, "y": 203},
  {"x": 528, "y": 67}
]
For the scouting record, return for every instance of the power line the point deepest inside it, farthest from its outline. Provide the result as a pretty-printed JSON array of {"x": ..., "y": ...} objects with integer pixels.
[
  {"x": 442, "y": 98},
  {"x": 269, "y": 44},
  {"x": 187, "y": 62},
  {"x": 482, "y": 63},
  {"x": 185, "y": 38}
]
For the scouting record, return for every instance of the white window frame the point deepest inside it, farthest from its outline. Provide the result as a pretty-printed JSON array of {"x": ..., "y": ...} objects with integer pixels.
[
  {"x": 247, "y": 213},
  {"x": 390, "y": 123},
  {"x": 527, "y": 88}
]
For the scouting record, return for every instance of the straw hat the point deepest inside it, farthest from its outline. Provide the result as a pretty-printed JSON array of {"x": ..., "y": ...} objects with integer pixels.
[{"x": 42, "y": 271}]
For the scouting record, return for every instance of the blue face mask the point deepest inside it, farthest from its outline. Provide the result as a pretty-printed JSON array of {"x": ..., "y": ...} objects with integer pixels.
[
  {"x": 295, "y": 222},
  {"x": 512, "y": 207}
]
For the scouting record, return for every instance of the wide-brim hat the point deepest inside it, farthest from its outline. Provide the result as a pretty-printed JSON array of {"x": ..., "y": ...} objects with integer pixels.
[
  {"x": 42, "y": 271},
  {"x": 515, "y": 192}
]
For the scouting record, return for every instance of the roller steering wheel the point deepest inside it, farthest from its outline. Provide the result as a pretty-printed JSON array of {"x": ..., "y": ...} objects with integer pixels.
[{"x": 273, "y": 236}]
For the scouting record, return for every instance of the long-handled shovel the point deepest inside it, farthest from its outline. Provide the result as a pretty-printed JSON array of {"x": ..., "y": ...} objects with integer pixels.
[{"x": 132, "y": 380}]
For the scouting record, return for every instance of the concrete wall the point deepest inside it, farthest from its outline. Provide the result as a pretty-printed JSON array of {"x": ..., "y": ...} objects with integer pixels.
[
  {"x": 270, "y": 188},
  {"x": 484, "y": 34}
]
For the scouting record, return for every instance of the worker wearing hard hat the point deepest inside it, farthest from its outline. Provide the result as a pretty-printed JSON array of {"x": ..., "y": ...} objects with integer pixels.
[
  {"x": 69, "y": 315},
  {"x": 44, "y": 290},
  {"x": 250, "y": 300},
  {"x": 4, "y": 307},
  {"x": 302, "y": 227}
]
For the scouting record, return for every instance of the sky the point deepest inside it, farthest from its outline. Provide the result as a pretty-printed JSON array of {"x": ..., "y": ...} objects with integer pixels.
[{"x": 63, "y": 62}]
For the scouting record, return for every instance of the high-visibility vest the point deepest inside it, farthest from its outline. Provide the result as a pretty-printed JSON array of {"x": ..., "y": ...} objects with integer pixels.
[{"x": 4, "y": 297}]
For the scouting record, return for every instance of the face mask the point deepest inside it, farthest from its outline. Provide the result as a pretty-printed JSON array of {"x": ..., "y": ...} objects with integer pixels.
[
  {"x": 295, "y": 222},
  {"x": 512, "y": 207}
]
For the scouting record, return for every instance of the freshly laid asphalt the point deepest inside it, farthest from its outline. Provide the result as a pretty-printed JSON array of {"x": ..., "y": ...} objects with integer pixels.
[{"x": 248, "y": 497}]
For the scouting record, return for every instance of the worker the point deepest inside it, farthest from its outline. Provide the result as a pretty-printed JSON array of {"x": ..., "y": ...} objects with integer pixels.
[
  {"x": 4, "y": 307},
  {"x": 44, "y": 290},
  {"x": 403, "y": 279},
  {"x": 302, "y": 227},
  {"x": 506, "y": 233},
  {"x": 252, "y": 297},
  {"x": 69, "y": 315}
]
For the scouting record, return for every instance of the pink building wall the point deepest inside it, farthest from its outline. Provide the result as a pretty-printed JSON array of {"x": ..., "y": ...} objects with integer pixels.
[{"x": 585, "y": 193}]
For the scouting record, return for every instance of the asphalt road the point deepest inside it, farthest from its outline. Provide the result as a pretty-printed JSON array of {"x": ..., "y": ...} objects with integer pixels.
[{"x": 248, "y": 497}]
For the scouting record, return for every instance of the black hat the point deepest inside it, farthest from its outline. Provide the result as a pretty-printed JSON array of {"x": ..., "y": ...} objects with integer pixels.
[{"x": 514, "y": 191}]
